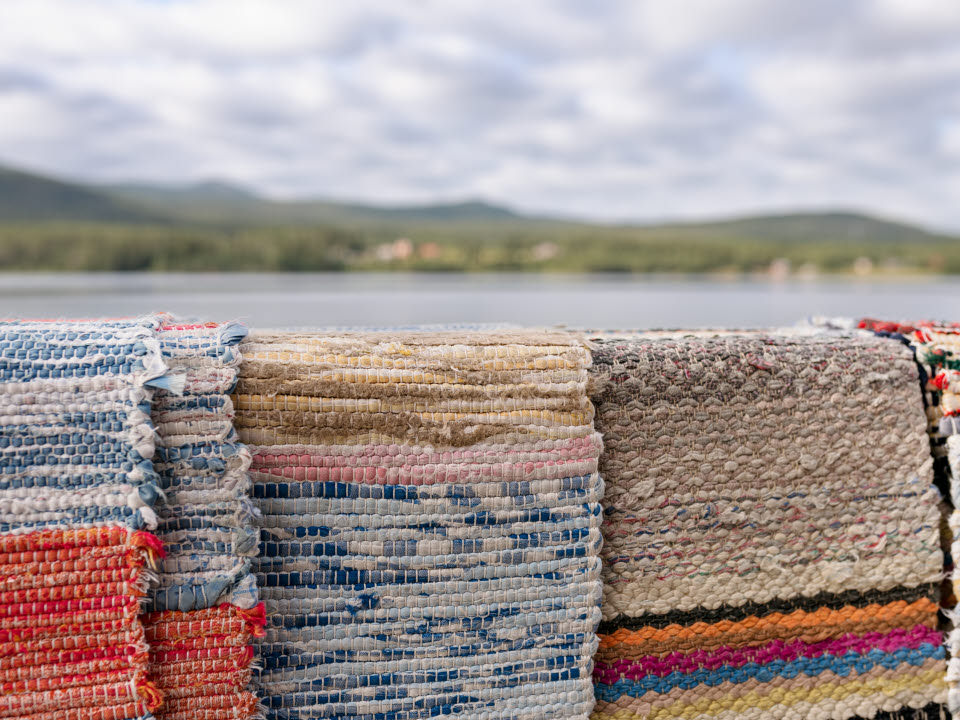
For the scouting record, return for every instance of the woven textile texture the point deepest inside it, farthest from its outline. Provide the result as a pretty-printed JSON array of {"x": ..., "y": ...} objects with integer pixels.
[
  {"x": 204, "y": 610},
  {"x": 207, "y": 523},
  {"x": 76, "y": 493},
  {"x": 934, "y": 383},
  {"x": 201, "y": 660},
  {"x": 933, "y": 362},
  {"x": 431, "y": 513},
  {"x": 936, "y": 348},
  {"x": 771, "y": 530}
]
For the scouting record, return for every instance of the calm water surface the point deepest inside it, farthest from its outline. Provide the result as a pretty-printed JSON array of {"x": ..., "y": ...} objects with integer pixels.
[{"x": 595, "y": 301}]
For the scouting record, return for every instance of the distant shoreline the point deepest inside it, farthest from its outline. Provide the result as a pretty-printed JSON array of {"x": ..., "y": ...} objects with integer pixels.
[
  {"x": 777, "y": 252},
  {"x": 712, "y": 276}
]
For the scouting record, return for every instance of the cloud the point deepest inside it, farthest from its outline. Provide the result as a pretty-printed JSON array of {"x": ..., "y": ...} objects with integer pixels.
[{"x": 618, "y": 109}]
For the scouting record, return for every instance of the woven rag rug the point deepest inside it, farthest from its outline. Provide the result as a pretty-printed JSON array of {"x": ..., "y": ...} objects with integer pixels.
[
  {"x": 204, "y": 612},
  {"x": 936, "y": 349},
  {"x": 431, "y": 513},
  {"x": 76, "y": 491},
  {"x": 771, "y": 530}
]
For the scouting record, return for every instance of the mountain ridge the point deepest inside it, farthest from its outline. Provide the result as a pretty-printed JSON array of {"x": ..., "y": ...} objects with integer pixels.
[{"x": 31, "y": 197}]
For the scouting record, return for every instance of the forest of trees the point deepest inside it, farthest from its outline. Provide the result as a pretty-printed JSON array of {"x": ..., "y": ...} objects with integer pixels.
[{"x": 117, "y": 247}]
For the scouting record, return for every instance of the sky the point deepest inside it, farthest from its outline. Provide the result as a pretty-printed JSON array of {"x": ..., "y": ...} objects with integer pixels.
[{"x": 632, "y": 110}]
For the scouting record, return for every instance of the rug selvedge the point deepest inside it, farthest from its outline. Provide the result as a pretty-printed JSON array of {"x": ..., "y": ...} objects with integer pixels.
[{"x": 205, "y": 612}]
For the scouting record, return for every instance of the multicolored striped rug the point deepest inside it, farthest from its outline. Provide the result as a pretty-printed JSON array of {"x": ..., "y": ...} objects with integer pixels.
[
  {"x": 771, "y": 532},
  {"x": 76, "y": 493},
  {"x": 204, "y": 612},
  {"x": 936, "y": 348},
  {"x": 431, "y": 513}
]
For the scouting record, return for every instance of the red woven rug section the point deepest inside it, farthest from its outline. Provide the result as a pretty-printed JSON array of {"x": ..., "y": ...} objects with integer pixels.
[
  {"x": 71, "y": 645},
  {"x": 201, "y": 661}
]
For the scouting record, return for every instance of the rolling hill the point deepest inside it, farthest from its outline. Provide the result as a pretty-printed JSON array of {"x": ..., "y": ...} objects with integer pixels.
[
  {"x": 27, "y": 197},
  {"x": 51, "y": 224},
  {"x": 219, "y": 203},
  {"x": 797, "y": 227}
]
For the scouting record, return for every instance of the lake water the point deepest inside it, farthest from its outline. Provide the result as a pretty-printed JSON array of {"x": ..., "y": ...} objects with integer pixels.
[{"x": 595, "y": 301}]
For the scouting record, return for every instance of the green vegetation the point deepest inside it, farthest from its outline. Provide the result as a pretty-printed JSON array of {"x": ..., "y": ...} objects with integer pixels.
[
  {"x": 101, "y": 246},
  {"x": 49, "y": 224}
]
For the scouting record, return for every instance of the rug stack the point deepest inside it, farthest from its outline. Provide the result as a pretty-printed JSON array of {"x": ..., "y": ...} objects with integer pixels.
[
  {"x": 76, "y": 493},
  {"x": 932, "y": 376},
  {"x": 937, "y": 351},
  {"x": 204, "y": 613},
  {"x": 431, "y": 523},
  {"x": 771, "y": 532}
]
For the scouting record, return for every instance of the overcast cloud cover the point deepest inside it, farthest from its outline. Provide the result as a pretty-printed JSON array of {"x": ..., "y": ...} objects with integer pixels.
[{"x": 604, "y": 109}]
